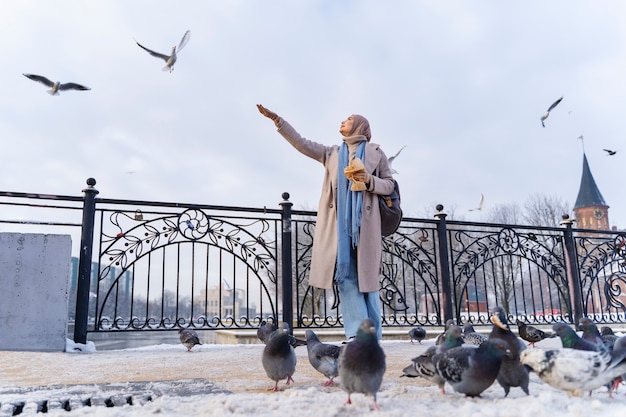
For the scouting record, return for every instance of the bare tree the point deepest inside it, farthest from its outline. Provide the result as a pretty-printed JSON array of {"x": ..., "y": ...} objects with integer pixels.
[{"x": 543, "y": 210}]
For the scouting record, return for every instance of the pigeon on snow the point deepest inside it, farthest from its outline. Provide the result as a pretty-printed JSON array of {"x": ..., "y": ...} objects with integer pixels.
[
  {"x": 512, "y": 372},
  {"x": 531, "y": 334},
  {"x": 423, "y": 365},
  {"x": 591, "y": 333},
  {"x": 55, "y": 87},
  {"x": 170, "y": 59},
  {"x": 279, "y": 358},
  {"x": 471, "y": 336},
  {"x": 417, "y": 333},
  {"x": 293, "y": 341},
  {"x": 547, "y": 113},
  {"x": 189, "y": 338},
  {"x": 472, "y": 369},
  {"x": 570, "y": 339},
  {"x": 575, "y": 371},
  {"x": 442, "y": 337},
  {"x": 362, "y": 363},
  {"x": 264, "y": 330},
  {"x": 323, "y": 357},
  {"x": 608, "y": 336}
]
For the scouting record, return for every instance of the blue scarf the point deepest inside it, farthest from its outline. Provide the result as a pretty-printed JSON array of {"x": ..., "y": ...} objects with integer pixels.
[{"x": 349, "y": 211}]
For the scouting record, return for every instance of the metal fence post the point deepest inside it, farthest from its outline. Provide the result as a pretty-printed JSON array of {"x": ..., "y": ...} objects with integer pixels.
[
  {"x": 287, "y": 278},
  {"x": 84, "y": 262},
  {"x": 446, "y": 287},
  {"x": 573, "y": 274}
]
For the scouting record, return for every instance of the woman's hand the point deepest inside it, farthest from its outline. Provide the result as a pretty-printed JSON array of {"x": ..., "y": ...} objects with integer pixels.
[
  {"x": 362, "y": 177},
  {"x": 267, "y": 113}
]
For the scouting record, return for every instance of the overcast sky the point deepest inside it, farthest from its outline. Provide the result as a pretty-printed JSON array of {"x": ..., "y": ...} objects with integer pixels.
[{"x": 462, "y": 84}]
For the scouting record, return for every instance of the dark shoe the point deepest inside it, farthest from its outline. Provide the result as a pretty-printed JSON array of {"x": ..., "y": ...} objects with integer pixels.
[{"x": 348, "y": 341}]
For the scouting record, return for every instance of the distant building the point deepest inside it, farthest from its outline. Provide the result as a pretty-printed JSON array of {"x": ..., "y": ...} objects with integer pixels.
[
  {"x": 590, "y": 210},
  {"x": 125, "y": 282},
  {"x": 225, "y": 303}
]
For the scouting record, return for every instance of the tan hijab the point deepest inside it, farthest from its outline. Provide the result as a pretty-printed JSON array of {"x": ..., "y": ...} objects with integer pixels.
[{"x": 360, "y": 126}]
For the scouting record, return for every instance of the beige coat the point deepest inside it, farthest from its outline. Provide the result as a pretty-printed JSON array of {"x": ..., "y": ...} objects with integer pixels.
[{"x": 369, "y": 252}]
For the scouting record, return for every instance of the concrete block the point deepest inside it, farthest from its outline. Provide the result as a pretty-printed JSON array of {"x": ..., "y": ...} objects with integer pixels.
[{"x": 34, "y": 280}]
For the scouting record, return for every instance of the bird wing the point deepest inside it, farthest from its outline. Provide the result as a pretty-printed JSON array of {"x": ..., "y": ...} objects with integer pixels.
[
  {"x": 453, "y": 363},
  {"x": 184, "y": 40},
  {"x": 480, "y": 203},
  {"x": 39, "y": 78},
  {"x": 72, "y": 86},
  {"x": 398, "y": 153},
  {"x": 153, "y": 53},
  {"x": 553, "y": 105},
  {"x": 326, "y": 350}
]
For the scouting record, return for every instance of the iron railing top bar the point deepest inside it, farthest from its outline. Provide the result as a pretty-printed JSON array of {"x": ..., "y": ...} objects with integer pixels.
[
  {"x": 185, "y": 205},
  {"x": 39, "y": 196},
  {"x": 41, "y": 223},
  {"x": 13, "y": 203}
]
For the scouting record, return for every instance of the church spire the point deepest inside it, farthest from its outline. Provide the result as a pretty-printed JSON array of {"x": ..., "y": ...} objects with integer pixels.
[
  {"x": 588, "y": 194},
  {"x": 590, "y": 209}
]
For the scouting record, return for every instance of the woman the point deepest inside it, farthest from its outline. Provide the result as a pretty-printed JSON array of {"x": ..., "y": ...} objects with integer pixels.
[{"x": 347, "y": 245}]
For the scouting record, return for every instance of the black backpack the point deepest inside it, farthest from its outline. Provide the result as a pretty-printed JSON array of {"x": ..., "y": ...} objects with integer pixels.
[{"x": 390, "y": 211}]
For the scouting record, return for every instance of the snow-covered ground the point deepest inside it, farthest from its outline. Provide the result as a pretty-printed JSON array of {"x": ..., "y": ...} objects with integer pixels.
[{"x": 218, "y": 380}]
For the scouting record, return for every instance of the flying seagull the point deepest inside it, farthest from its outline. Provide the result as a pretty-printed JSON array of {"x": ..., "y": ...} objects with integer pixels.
[
  {"x": 170, "y": 59},
  {"x": 609, "y": 152},
  {"x": 55, "y": 87},
  {"x": 390, "y": 159},
  {"x": 547, "y": 113},
  {"x": 480, "y": 203}
]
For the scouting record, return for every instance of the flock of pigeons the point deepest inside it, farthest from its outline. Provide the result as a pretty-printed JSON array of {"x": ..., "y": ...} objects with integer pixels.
[
  {"x": 468, "y": 361},
  {"x": 471, "y": 362},
  {"x": 170, "y": 60}
]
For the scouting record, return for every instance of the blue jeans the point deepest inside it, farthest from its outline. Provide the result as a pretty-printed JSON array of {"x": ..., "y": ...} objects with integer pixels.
[{"x": 356, "y": 305}]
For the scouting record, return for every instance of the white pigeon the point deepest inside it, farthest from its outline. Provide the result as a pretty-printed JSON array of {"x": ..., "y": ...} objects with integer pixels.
[
  {"x": 575, "y": 371},
  {"x": 390, "y": 159},
  {"x": 55, "y": 87},
  {"x": 547, "y": 113},
  {"x": 170, "y": 59}
]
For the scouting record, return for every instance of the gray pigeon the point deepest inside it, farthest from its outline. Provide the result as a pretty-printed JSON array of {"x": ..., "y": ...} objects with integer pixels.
[
  {"x": 417, "y": 333},
  {"x": 423, "y": 366},
  {"x": 189, "y": 338},
  {"x": 279, "y": 358},
  {"x": 55, "y": 86},
  {"x": 264, "y": 330},
  {"x": 170, "y": 59},
  {"x": 531, "y": 334},
  {"x": 608, "y": 336},
  {"x": 591, "y": 333},
  {"x": 512, "y": 372},
  {"x": 362, "y": 363},
  {"x": 293, "y": 341},
  {"x": 323, "y": 357},
  {"x": 442, "y": 337},
  {"x": 472, "y": 369},
  {"x": 471, "y": 336},
  {"x": 575, "y": 371},
  {"x": 570, "y": 339}
]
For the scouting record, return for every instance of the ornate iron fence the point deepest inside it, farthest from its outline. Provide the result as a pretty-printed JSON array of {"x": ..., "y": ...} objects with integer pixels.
[{"x": 163, "y": 266}]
